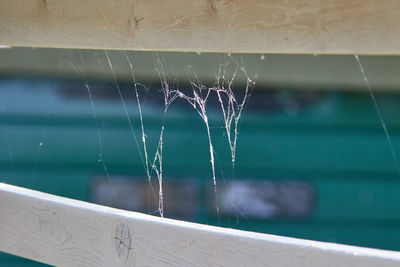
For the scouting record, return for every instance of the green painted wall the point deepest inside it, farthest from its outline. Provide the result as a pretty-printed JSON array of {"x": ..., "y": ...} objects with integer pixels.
[{"x": 333, "y": 141}]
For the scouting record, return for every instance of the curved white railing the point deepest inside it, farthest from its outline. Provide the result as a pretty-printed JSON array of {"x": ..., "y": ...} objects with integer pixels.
[{"x": 62, "y": 231}]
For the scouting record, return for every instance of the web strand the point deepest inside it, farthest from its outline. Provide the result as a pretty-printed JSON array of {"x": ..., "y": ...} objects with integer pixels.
[
  {"x": 380, "y": 116},
  {"x": 94, "y": 115}
]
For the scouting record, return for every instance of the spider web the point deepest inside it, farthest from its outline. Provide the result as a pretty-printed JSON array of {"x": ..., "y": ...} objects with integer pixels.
[{"x": 197, "y": 97}]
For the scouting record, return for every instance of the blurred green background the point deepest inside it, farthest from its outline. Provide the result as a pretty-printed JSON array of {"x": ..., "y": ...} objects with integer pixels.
[{"x": 312, "y": 162}]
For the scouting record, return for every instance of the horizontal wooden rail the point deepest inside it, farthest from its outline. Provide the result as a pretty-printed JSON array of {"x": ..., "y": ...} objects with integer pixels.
[
  {"x": 267, "y": 26},
  {"x": 61, "y": 231}
]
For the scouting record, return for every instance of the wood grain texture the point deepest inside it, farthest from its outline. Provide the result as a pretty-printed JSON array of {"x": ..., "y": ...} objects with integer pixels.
[
  {"x": 256, "y": 26},
  {"x": 67, "y": 232}
]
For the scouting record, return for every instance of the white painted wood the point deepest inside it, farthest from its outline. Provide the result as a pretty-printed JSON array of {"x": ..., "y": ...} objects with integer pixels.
[
  {"x": 249, "y": 26},
  {"x": 66, "y": 232}
]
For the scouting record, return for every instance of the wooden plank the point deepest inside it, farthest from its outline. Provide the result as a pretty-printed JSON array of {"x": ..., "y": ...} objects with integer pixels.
[
  {"x": 63, "y": 231},
  {"x": 257, "y": 26}
]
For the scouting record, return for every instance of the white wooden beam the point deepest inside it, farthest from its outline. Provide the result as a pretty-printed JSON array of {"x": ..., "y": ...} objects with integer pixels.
[
  {"x": 66, "y": 232},
  {"x": 256, "y": 26}
]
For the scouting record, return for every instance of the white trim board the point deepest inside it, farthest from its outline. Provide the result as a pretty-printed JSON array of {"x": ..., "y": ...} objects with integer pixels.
[
  {"x": 268, "y": 26},
  {"x": 67, "y": 232}
]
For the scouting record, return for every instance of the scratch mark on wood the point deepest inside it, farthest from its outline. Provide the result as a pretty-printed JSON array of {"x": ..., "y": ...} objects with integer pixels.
[
  {"x": 122, "y": 240},
  {"x": 137, "y": 20},
  {"x": 211, "y": 7}
]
